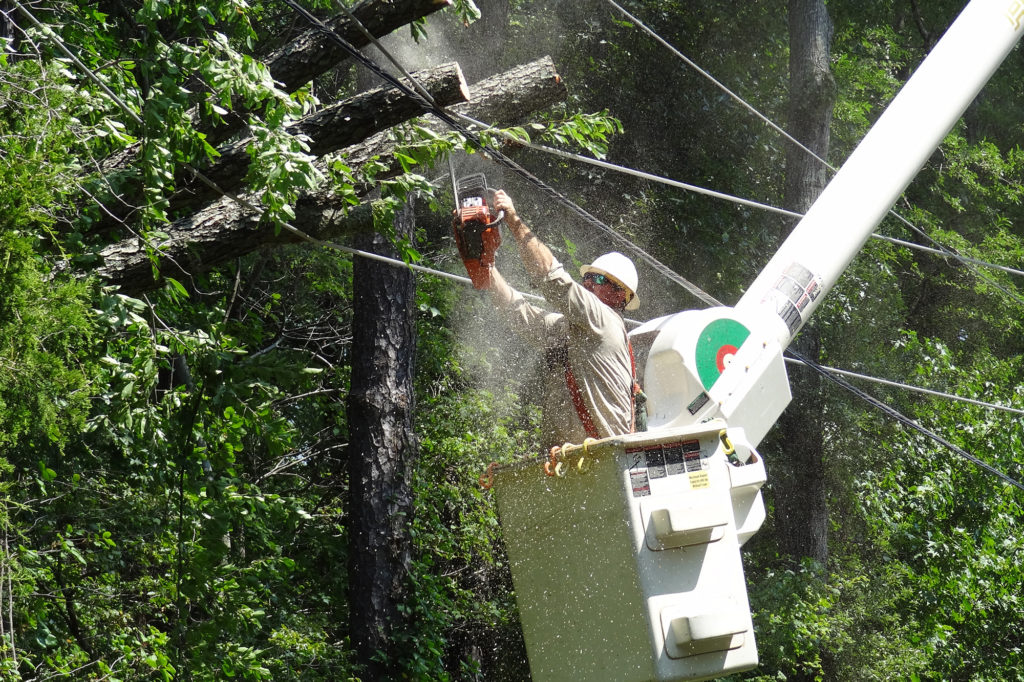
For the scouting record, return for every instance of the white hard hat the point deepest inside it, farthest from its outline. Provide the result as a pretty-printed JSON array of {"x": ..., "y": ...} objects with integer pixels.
[{"x": 621, "y": 270}]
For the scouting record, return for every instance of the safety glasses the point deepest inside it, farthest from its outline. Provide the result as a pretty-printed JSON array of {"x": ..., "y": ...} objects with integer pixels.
[{"x": 598, "y": 279}]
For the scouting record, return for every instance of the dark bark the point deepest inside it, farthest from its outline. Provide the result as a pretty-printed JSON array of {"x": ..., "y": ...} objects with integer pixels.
[
  {"x": 799, "y": 484},
  {"x": 382, "y": 449},
  {"x": 224, "y": 230}
]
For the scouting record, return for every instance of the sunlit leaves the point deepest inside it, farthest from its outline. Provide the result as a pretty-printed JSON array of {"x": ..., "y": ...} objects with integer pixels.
[{"x": 589, "y": 132}]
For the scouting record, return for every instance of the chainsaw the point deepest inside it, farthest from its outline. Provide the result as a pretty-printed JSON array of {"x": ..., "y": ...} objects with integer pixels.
[{"x": 476, "y": 227}]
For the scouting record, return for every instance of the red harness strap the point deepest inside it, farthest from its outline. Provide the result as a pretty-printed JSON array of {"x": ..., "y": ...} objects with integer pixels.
[
  {"x": 577, "y": 400},
  {"x": 577, "y": 396}
]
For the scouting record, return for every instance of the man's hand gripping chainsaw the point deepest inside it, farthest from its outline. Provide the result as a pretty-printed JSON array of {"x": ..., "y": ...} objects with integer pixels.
[{"x": 476, "y": 229}]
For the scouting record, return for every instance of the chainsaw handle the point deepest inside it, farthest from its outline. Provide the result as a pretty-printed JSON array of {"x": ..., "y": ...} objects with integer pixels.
[{"x": 501, "y": 214}]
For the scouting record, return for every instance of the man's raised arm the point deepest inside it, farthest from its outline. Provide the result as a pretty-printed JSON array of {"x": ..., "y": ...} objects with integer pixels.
[{"x": 535, "y": 255}]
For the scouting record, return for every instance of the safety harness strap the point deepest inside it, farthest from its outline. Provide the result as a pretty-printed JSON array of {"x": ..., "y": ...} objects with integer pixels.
[
  {"x": 577, "y": 400},
  {"x": 577, "y": 396}
]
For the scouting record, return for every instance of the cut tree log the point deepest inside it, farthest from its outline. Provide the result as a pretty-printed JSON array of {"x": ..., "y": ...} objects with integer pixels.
[
  {"x": 344, "y": 123},
  {"x": 225, "y": 230}
]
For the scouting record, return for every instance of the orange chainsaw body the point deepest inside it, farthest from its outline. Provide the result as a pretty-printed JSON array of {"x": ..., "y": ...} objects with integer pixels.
[{"x": 477, "y": 238}]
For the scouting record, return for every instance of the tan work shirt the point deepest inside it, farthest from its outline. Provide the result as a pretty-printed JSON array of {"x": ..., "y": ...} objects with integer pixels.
[{"x": 595, "y": 337}]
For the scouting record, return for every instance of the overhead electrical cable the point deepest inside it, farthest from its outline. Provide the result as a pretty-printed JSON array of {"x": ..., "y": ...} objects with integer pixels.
[
  {"x": 915, "y": 389},
  {"x": 710, "y": 192},
  {"x": 950, "y": 252},
  {"x": 693, "y": 65},
  {"x": 944, "y": 254},
  {"x": 629, "y": 171},
  {"x": 946, "y": 251},
  {"x": 903, "y": 419}
]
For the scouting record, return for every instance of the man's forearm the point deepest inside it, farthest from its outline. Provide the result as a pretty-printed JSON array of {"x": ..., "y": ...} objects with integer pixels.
[
  {"x": 535, "y": 255},
  {"x": 501, "y": 292}
]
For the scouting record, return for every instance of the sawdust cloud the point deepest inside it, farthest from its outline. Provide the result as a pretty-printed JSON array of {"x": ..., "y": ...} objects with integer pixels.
[{"x": 500, "y": 359}]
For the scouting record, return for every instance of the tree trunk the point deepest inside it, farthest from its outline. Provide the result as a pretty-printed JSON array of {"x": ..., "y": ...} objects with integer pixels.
[
  {"x": 224, "y": 230},
  {"x": 382, "y": 449},
  {"x": 800, "y": 495}
]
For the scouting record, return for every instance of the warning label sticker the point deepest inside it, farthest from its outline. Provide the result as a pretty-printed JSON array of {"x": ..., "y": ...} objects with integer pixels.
[
  {"x": 640, "y": 482},
  {"x": 655, "y": 461},
  {"x": 638, "y": 478},
  {"x": 700, "y": 479},
  {"x": 652, "y": 462}
]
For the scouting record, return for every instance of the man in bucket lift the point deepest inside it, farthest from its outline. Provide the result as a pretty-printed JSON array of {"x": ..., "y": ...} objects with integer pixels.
[{"x": 590, "y": 384}]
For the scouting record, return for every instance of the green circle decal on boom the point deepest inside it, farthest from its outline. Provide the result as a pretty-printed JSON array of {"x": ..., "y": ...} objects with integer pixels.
[{"x": 720, "y": 339}]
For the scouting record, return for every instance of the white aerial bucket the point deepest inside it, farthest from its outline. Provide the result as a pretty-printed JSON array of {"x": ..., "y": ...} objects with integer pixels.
[{"x": 626, "y": 562}]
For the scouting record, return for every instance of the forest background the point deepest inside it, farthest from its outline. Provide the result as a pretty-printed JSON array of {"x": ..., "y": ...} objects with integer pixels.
[{"x": 187, "y": 456}]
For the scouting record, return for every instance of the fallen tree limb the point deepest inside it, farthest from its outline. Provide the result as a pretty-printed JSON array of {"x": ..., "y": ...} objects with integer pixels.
[
  {"x": 225, "y": 230},
  {"x": 340, "y": 125}
]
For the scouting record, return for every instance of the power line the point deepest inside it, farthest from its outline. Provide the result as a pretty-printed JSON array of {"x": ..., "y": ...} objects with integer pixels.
[
  {"x": 693, "y": 65},
  {"x": 906, "y": 421},
  {"x": 953, "y": 253},
  {"x": 917, "y": 389},
  {"x": 946, "y": 254},
  {"x": 713, "y": 193},
  {"x": 636, "y": 173}
]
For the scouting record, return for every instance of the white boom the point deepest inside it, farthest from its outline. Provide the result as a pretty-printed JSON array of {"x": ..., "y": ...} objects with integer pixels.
[{"x": 638, "y": 537}]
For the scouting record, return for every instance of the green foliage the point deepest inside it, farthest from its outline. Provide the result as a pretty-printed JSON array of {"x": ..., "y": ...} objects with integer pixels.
[
  {"x": 591, "y": 132},
  {"x": 43, "y": 383},
  {"x": 461, "y": 598}
]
